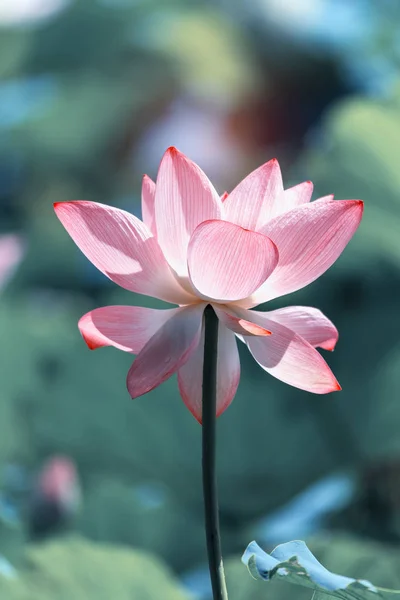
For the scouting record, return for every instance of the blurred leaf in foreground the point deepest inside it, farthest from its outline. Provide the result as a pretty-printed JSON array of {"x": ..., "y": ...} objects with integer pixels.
[
  {"x": 342, "y": 553},
  {"x": 295, "y": 563},
  {"x": 74, "y": 568}
]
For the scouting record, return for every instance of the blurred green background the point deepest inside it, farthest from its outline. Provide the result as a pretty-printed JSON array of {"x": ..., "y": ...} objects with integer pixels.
[{"x": 91, "y": 94}]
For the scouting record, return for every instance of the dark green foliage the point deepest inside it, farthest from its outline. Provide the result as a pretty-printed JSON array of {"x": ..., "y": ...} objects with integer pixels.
[{"x": 145, "y": 516}]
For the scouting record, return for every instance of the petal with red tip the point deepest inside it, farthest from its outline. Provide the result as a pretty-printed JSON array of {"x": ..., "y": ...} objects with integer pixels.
[
  {"x": 227, "y": 262},
  {"x": 127, "y": 328},
  {"x": 184, "y": 198},
  {"x": 238, "y": 325},
  {"x": 310, "y": 323},
  {"x": 148, "y": 196},
  {"x": 257, "y": 198},
  {"x": 190, "y": 376},
  {"x": 167, "y": 351},
  {"x": 309, "y": 238},
  {"x": 122, "y": 247},
  {"x": 289, "y": 357}
]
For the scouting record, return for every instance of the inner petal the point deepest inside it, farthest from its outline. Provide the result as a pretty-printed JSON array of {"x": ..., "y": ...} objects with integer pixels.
[{"x": 227, "y": 262}]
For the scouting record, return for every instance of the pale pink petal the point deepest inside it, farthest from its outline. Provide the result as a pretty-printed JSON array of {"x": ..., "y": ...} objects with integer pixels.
[
  {"x": 190, "y": 376},
  {"x": 227, "y": 262},
  {"x": 309, "y": 239},
  {"x": 257, "y": 198},
  {"x": 310, "y": 323},
  {"x": 122, "y": 247},
  {"x": 127, "y": 328},
  {"x": 289, "y": 357},
  {"x": 167, "y": 351},
  {"x": 12, "y": 249},
  {"x": 148, "y": 196},
  {"x": 237, "y": 324},
  {"x": 325, "y": 198},
  {"x": 296, "y": 195},
  {"x": 184, "y": 198}
]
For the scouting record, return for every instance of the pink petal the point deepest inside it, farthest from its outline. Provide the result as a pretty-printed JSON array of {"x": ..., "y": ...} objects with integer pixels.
[
  {"x": 257, "y": 198},
  {"x": 184, "y": 198},
  {"x": 224, "y": 196},
  {"x": 127, "y": 328},
  {"x": 227, "y": 262},
  {"x": 122, "y": 247},
  {"x": 148, "y": 195},
  {"x": 325, "y": 198},
  {"x": 309, "y": 323},
  {"x": 297, "y": 195},
  {"x": 309, "y": 238},
  {"x": 190, "y": 376},
  {"x": 289, "y": 357},
  {"x": 238, "y": 325},
  {"x": 167, "y": 351}
]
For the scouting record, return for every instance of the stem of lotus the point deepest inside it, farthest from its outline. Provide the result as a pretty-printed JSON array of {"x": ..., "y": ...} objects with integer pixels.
[{"x": 209, "y": 400}]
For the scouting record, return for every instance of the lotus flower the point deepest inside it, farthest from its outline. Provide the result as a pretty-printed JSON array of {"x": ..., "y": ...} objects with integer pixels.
[
  {"x": 55, "y": 498},
  {"x": 194, "y": 248},
  {"x": 12, "y": 250}
]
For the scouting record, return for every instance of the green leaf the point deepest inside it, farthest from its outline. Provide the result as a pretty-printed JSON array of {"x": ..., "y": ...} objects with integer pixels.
[
  {"x": 295, "y": 563},
  {"x": 359, "y": 160},
  {"x": 78, "y": 569}
]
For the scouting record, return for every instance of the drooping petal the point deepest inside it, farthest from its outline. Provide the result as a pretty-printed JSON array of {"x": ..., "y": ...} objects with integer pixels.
[
  {"x": 289, "y": 357},
  {"x": 167, "y": 351},
  {"x": 310, "y": 323},
  {"x": 256, "y": 199},
  {"x": 309, "y": 239},
  {"x": 127, "y": 328},
  {"x": 148, "y": 196},
  {"x": 237, "y": 324},
  {"x": 190, "y": 376},
  {"x": 122, "y": 247},
  {"x": 227, "y": 262},
  {"x": 184, "y": 198},
  {"x": 296, "y": 195}
]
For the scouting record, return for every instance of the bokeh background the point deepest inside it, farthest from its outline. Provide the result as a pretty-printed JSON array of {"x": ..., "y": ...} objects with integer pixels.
[{"x": 100, "y": 496}]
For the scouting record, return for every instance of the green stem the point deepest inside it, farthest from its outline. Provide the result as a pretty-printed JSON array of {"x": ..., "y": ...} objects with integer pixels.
[{"x": 209, "y": 401}]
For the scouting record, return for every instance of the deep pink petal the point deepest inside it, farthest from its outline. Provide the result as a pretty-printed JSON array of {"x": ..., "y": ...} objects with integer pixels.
[
  {"x": 122, "y": 247},
  {"x": 309, "y": 239},
  {"x": 256, "y": 199},
  {"x": 296, "y": 195},
  {"x": 237, "y": 324},
  {"x": 224, "y": 196},
  {"x": 190, "y": 376},
  {"x": 289, "y": 357},
  {"x": 167, "y": 351},
  {"x": 227, "y": 262},
  {"x": 310, "y": 323},
  {"x": 184, "y": 198},
  {"x": 148, "y": 196},
  {"x": 127, "y": 328}
]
